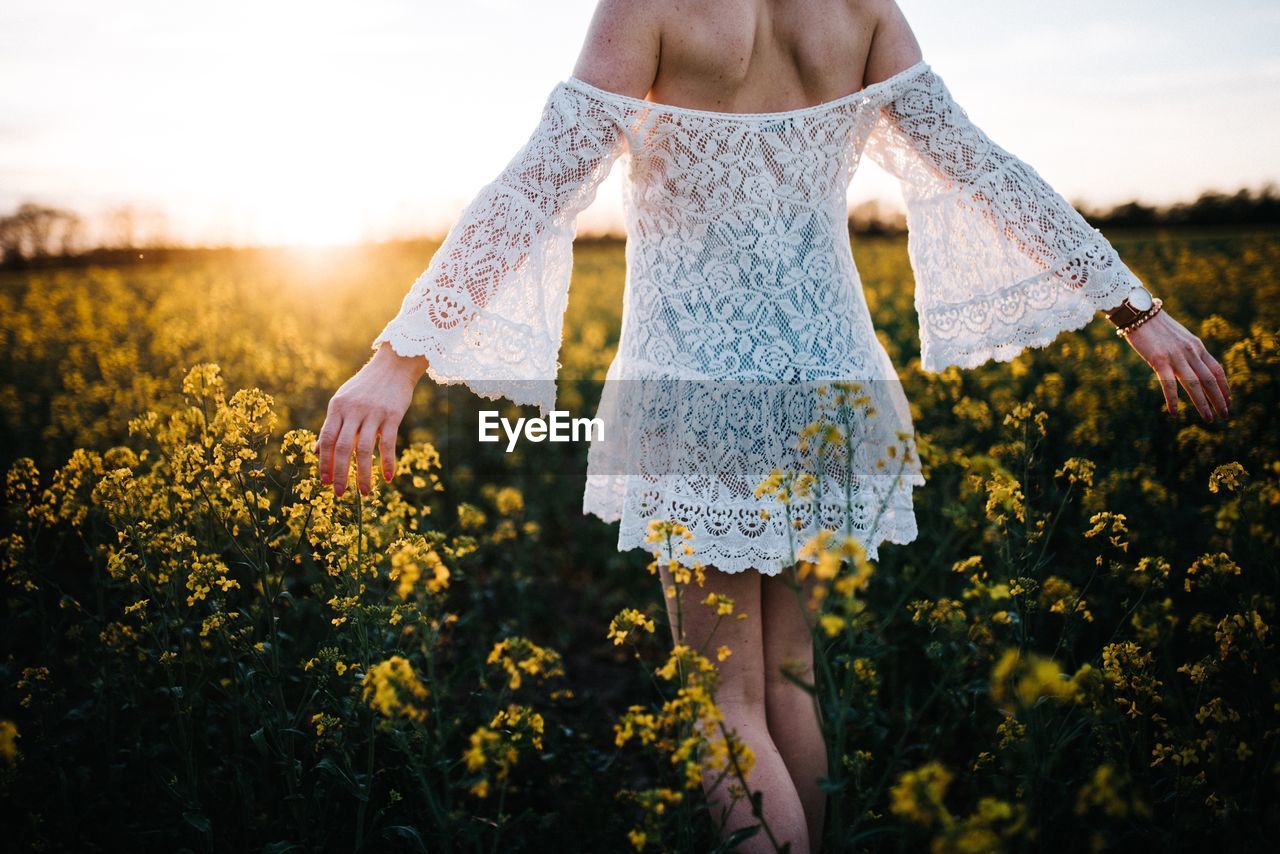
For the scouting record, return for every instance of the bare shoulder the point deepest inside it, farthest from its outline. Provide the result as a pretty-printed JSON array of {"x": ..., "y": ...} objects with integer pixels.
[
  {"x": 620, "y": 52},
  {"x": 893, "y": 44}
]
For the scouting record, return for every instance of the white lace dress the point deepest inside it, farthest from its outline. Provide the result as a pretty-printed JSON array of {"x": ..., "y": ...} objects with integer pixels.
[{"x": 742, "y": 297}]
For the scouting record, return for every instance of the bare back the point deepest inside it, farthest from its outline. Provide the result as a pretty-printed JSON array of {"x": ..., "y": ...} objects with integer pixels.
[{"x": 744, "y": 55}]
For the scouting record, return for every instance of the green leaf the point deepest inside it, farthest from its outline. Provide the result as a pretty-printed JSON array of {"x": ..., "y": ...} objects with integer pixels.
[
  {"x": 197, "y": 820},
  {"x": 281, "y": 847},
  {"x": 332, "y": 769},
  {"x": 259, "y": 739},
  {"x": 408, "y": 834}
]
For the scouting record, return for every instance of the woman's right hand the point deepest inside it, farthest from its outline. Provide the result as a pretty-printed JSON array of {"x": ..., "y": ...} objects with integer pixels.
[
  {"x": 1177, "y": 355},
  {"x": 367, "y": 408}
]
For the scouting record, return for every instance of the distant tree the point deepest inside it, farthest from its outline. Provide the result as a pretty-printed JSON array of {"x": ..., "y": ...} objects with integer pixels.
[
  {"x": 874, "y": 217},
  {"x": 39, "y": 231},
  {"x": 1133, "y": 213},
  {"x": 10, "y": 242},
  {"x": 1212, "y": 207}
]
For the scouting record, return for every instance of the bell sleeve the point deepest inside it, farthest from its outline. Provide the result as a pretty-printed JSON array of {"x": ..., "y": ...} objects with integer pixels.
[
  {"x": 488, "y": 311},
  {"x": 1001, "y": 261}
]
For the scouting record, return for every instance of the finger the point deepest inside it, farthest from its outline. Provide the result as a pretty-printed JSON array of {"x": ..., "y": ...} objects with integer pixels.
[
  {"x": 1220, "y": 380},
  {"x": 1169, "y": 385},
  {"x": 1209, "y": 383},
  {"x": 324, "y": 446},
  {"x": 387, "y": 447},
  {"x": 1191, "y": 382},
  {"x": 364, "y": 455},
  {"x": 342, "y": 457}
]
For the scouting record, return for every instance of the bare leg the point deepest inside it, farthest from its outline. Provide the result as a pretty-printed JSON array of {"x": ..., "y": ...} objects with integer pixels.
[
  {"x": 741, "y": 698},
  {"x": 791, "y": 712}
]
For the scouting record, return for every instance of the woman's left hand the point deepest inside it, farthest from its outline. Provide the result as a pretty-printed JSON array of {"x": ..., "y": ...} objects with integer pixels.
[{"x": 1177, "y": 355}]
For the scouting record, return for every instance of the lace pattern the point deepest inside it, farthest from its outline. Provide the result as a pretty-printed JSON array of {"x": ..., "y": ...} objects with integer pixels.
[
  {"x": 489, "y": 309},
  {"x": 1001, "y": 261},
  {"x": 740, "y": 271}
]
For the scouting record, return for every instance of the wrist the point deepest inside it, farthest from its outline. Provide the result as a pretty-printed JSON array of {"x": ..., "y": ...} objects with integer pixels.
[
  {"x": 1137, "y": 303},
  {"x": 412, "y": 367},
  {"x": 1123, "y": 331}
]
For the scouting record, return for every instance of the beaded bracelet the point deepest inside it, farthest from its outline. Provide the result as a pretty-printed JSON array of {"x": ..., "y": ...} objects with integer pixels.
[{"x": 1124, "y": 331}]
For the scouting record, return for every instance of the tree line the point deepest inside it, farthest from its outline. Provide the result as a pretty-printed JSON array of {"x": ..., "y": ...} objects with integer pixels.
[
  {"x": 38, "y": 235},
  {"x": 35, "y": 234},
  {"x": 1212, "y": 207}
]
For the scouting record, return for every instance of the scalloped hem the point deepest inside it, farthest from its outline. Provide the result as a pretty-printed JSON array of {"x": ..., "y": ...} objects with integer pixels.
[
  {"x": 895, "y": 527},
  {"x": 1041, "y": 335},
  {"x": 772, "y": 555}
]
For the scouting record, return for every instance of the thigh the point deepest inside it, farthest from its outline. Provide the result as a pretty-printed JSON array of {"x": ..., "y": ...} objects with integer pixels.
[
  {"x": 705, "y": 630},
  {"x": 787, "y": 620}
]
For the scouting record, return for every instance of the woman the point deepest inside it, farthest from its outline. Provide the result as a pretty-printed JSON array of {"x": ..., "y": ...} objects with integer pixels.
[{"x": 739, "y": 270}]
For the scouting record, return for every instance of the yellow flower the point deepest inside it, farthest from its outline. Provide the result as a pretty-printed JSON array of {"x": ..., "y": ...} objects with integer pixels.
[
  {"x": 1114, "y": 523},
  {"x": 9, "y": 742},
  {"x": 1128, "y": 670},
  {"x": 421, "y": 462},
  {"x": 1205, "y": 567},
  {"x": 664, "y": 530},
  {"x": 498, "y": 745},
  {"x": 697, "y": 668},
  {"x": 471, "y": 517},
  {"x": 392, "y": 688},
  {"x": 937, "y": 612},
  {"x": 475, "y": 754},
  {"x": 770, "y": 484},
  {"x": 1004, "y": 498},
  {"x": 1036, "y": 676},
  {"x": 520, "y": 657},
  {"x": 509, "y": 501},
  {"x": 722, "y": 604},
  {"x": 409, "y": 557},
  {"x": 918, "y": 794},
  {"x": 324, "y": 723},
  {"x": 832, "y": 624},
  {"x": 1228, "y": 476},
  {"x": 628, "y": 621},
  {"x": 1077, "y": 470},
  {"x": 1022, "y": 412},
  {"x": 1103, "y": 791},
  {"x": 1061, "y": 597}
]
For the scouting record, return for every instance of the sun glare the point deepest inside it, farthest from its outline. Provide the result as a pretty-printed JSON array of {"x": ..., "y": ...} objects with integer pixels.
[{"x": 322, "y": 122}]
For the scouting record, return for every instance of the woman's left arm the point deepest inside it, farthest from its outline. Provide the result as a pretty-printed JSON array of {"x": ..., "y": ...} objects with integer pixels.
[
  {"x": 489, "y": 309},
  {"x": 1002, "y": 261}
]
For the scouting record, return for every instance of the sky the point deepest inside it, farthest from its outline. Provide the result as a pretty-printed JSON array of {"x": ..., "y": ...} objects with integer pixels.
[{"x": 282, "y": 121}]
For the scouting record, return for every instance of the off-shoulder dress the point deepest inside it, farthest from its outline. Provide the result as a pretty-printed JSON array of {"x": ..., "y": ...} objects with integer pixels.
[{"x": 742, "y": 301}]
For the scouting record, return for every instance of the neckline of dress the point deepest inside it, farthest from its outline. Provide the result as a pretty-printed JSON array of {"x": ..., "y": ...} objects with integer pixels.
[{"x": 799, "y": 111}]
